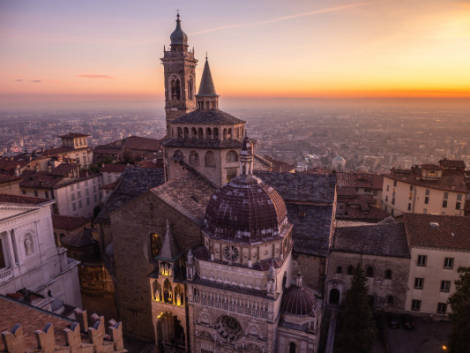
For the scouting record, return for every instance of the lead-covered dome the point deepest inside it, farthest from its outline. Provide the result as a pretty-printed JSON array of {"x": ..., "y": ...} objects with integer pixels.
[
  {"x": 245, "y": 210},
  {"x": 299, "y": 300},
  {"x": 178, "y": 37}
]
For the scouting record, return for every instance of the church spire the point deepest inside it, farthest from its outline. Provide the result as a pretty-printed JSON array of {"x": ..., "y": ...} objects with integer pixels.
[
  {"x": 206, "y": 97},
  {"x": 169, "y": 250}
]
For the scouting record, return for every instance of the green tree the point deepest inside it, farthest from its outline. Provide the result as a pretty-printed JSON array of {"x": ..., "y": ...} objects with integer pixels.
[
  {"x": 459, "y": 340},
  {"x": 356, "y": 327}
]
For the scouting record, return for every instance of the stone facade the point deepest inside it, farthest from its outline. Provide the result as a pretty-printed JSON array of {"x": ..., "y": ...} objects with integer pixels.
[{"x": 29, "y": 257}]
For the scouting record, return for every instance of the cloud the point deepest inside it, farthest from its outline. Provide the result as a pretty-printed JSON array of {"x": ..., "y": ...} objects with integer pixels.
[
  {"x": 94, "y": 76},
  {"x": 285, "y": 18},
  {"x": 36, "y": 81}
]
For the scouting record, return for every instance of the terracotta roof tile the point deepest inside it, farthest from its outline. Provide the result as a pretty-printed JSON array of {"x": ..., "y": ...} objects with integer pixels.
[
  {"x": 68, "y": 222},
  {"x": 442, "y": 232}
]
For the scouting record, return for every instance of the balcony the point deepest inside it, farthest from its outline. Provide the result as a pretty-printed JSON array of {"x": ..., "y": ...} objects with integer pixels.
[{"x": 5, "y": 274}]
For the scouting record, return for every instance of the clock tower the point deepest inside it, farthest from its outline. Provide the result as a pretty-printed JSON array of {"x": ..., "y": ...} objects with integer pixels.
[{"x": 179, "y": 67}]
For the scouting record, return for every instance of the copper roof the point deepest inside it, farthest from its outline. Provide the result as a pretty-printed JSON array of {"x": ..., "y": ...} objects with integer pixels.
[
  {"x": 442, "y": 232},
  {"x": 245, "y": 209},
  {"x": 298, "y": 300}
]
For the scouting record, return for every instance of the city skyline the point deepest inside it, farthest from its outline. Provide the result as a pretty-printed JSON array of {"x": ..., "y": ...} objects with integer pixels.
[{"x": 342, "y": 49}]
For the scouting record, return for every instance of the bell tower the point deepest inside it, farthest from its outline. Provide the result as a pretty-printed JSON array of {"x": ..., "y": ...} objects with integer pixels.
[{"x": 179, "y": 67}]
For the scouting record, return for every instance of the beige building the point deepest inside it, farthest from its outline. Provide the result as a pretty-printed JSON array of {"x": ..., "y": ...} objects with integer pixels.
[
  {"x": 426, "y": 189},
  {"x": 74, "y": 148},
  {"x": 439, "y": 245},
  {"x": 382, "y": 252}
]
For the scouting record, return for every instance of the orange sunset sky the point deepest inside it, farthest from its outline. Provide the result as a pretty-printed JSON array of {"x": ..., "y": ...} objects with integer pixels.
[{"x": 296, "y": 48}]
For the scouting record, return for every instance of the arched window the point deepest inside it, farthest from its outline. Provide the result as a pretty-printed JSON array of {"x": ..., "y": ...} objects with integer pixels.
[
  {"x": 167, "y": 292},
  {"x": 190, "y": 88},
  {"x": 388, "y": 274},
  {"x": 350, "y": 270},
  {"x": 194, "y": 158},
  {"x": 390, "y": 299},
  {"x": 370, "y": 271},
  {"x": 179, "y": 296},
  {"x": 232, "y": 156},
  {"x": 292, "y": 347},
  {"x": 157, "y": 292},
  {"x": 28, "y": 244},
  {"x": 339, "y": 269},
  {"x": 224, "y": 134},
  {"x": 180, "y": 132},
  {"x": 178, "y": 156},
  {"x": 209, "y": 133},
  {"x": 175, "y": 88},
  {"x": 209, "y": 159},
  {"x": 216, "y": 133},
  {"x": 229, "y": 133},
  {"x": 193, "y": 132},
  {"x": 155, "y": 244},
  {"x": 200, "y": 133},
  {"x": 186, "y": 132}
]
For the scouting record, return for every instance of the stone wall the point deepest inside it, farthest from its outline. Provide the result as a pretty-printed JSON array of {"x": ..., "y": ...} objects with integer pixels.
[{"x": 131, "y": 227}]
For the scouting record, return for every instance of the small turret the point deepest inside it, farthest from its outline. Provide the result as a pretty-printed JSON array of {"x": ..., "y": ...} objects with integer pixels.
[{"x": 206, "y": 97}]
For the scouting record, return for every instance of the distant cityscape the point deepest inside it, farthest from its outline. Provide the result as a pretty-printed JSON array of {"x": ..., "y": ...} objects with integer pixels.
[{"x": 371, "y": 136}]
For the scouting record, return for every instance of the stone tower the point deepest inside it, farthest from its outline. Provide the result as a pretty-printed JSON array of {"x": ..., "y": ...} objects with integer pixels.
[
  {"x": 180, "y": 77},
  {"x": 207, "y": 140}
]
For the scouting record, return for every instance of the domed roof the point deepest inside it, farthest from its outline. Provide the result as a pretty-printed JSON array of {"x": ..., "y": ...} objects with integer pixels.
[
  {"x": 339, "y": 159},
  {"x": 178, "y": 37},
  {"x": 245, "y": 210},
  {"x": 298, "y": 300}
]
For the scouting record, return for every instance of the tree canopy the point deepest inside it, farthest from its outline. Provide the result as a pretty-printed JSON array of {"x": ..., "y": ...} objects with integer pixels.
[
  {"x": 459, "y": 340},
  {"x": 356, "y": 327}
]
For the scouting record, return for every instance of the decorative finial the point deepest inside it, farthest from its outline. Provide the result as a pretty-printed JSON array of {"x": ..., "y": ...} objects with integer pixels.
[{"x": 206, "y": 56}]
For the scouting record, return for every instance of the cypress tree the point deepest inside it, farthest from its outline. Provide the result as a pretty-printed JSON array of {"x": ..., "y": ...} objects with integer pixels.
[
  {"x": 356, "y": 327},
  {"x": 459, "y": 340}
]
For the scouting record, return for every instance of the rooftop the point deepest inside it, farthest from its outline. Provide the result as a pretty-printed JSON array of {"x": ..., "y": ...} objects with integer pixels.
[
  {"x": 440, "y": 232},
  {"x": 452, "y": 179},
  {"x": 20, "y": 199},
  {"x": 31, "y": 319},
  {"x": 209, "y": 117},
  {"x": 134, "y": 181},
  {"x": 74, "y": 134},
  {"x": 359, "y": 180},
  {"x": 312, "y": 225},
  {"x": 113, "y": 168},
  {"x": 68, "y": 222},
  {"x": 315, "y": 188},
  {"x": 379, "y": 239},
  {"x": 189, "y": 195}
]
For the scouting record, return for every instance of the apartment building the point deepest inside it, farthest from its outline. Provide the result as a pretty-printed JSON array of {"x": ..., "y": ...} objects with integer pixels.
[{"x": 426, "y": 189}]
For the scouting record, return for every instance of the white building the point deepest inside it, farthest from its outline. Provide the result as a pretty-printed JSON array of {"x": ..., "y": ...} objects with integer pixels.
[
  {"x": 76, "y": 194},
  {"x": 29, "y": 257},
  {"x": 439, "y": 246}
]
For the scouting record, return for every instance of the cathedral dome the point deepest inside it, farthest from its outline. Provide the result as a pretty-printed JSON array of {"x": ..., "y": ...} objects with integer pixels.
[
  {"x": 298, "y": 300},
  {"x": 178, "y": 37},
  {"x": 245, "y": 210}
]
